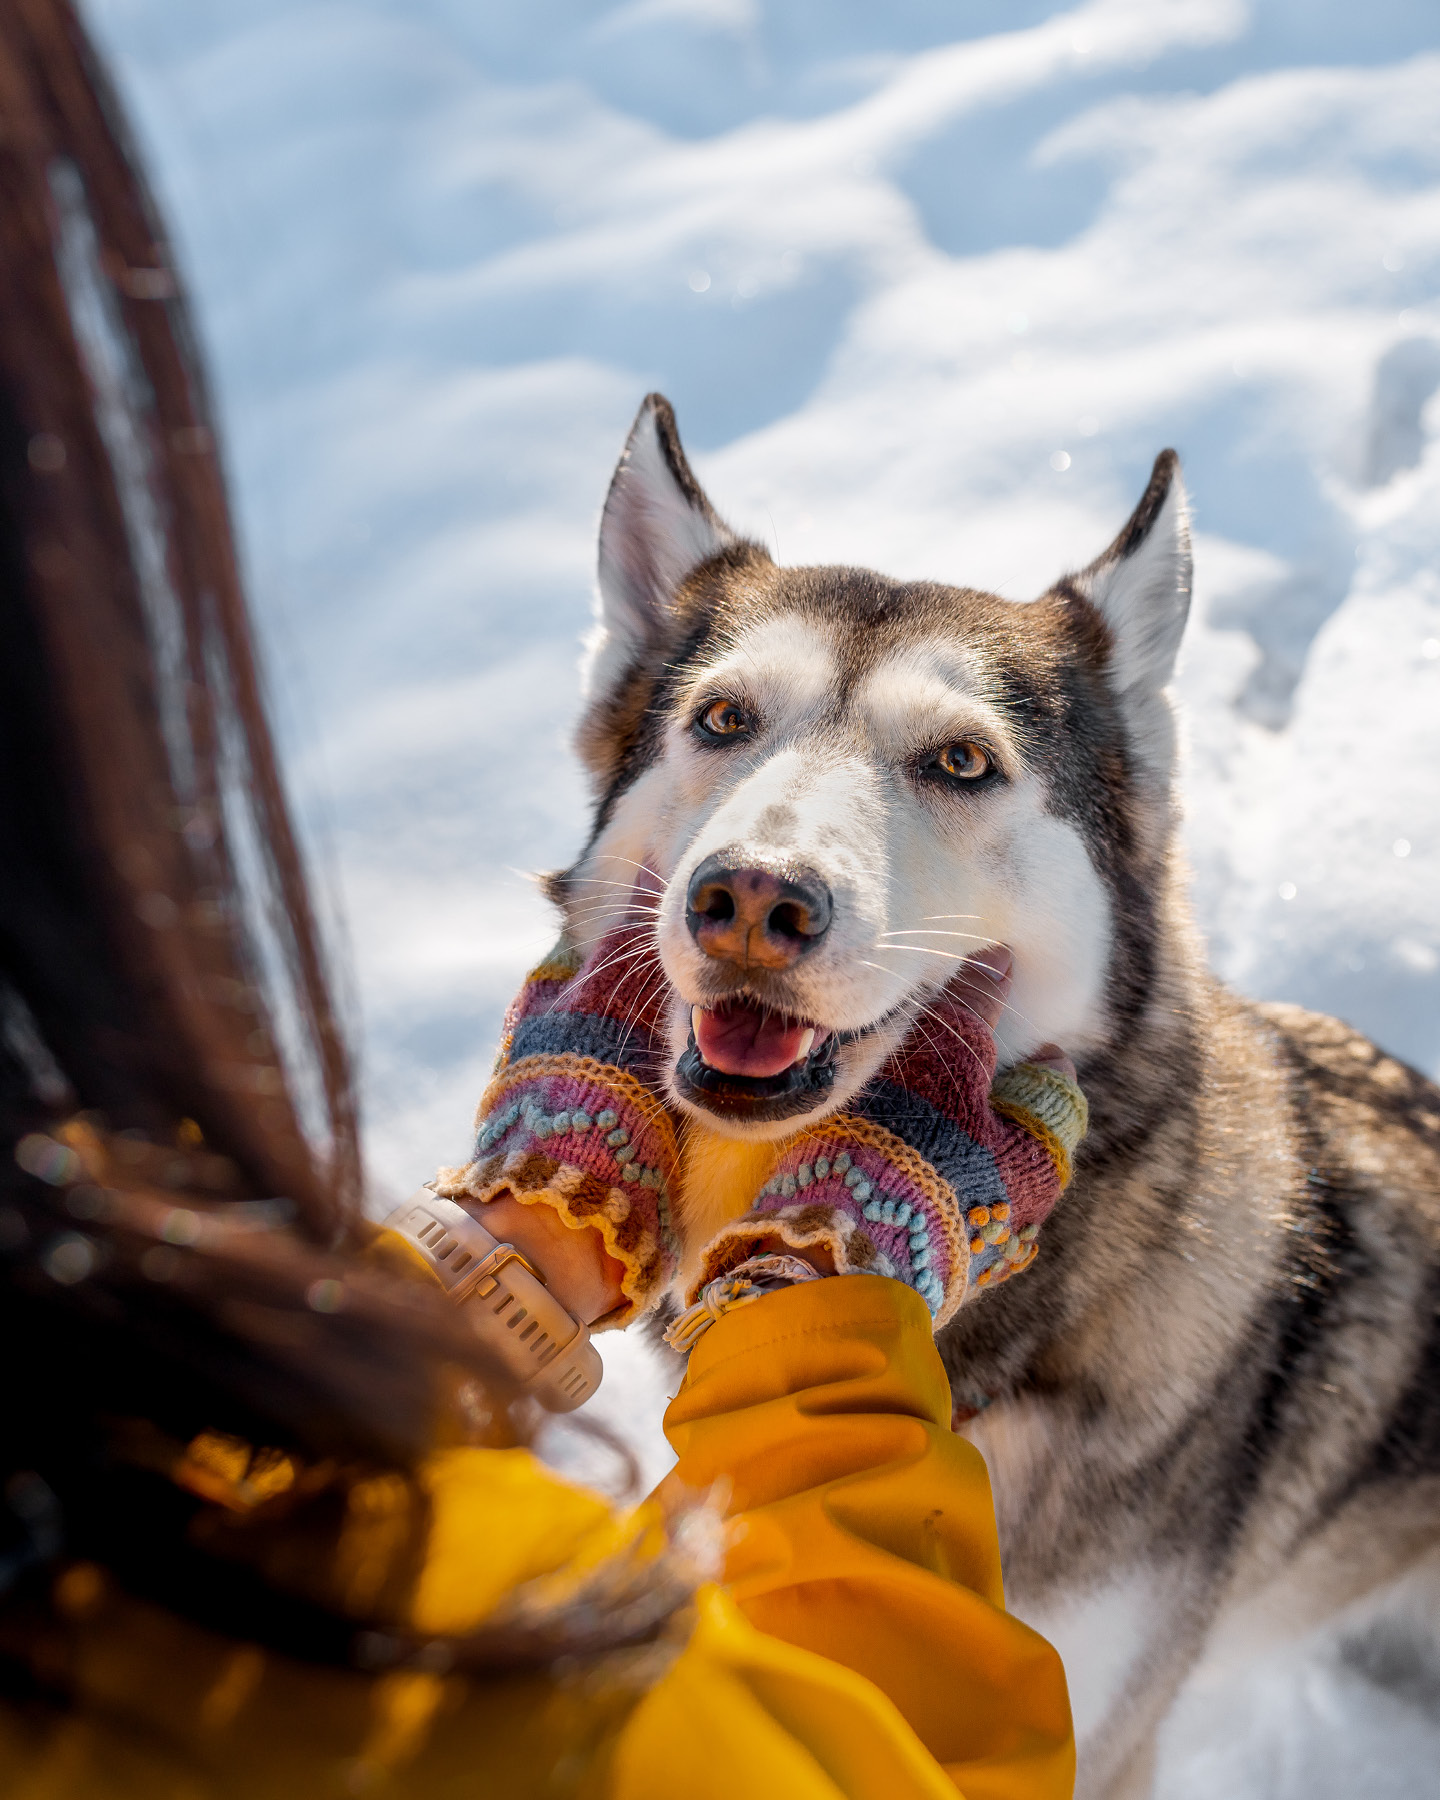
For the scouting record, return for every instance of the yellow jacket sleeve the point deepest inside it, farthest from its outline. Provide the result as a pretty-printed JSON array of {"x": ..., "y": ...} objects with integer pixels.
[
  {"x": 863, "y": 1528},
  {"x": 742, "y": 1716}
]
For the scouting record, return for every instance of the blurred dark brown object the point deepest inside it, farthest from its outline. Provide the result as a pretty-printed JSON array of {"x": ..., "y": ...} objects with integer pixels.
[
  {"x": 202, "y": 1400},
  {"x": 154, "y": 918}
]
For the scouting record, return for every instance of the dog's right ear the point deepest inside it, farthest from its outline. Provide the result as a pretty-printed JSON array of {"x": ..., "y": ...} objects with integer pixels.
[
  {"x": 1140, "y": 586},
  {"x": 657, "y": 526}
]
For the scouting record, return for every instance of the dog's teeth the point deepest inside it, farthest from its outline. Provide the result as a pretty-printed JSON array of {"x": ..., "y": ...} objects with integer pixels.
[
  {"x": 695, "y": 1012},
  {"x": 807, "y": 1044}
]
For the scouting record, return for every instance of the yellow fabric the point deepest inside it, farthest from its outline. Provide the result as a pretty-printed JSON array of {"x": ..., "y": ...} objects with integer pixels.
[
  {"x": 476, "y": 1554},
  {"x": 859, "y": 1649},
  {"x": 162, "y": 1710},
  {"x": 865, "y": 1528},
  {"x": 743, "y": 1717}
]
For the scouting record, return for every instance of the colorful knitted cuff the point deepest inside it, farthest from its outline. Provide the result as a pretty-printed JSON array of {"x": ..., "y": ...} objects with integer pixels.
[
  {"x": 881, "y": 1206},
  {"x": 856, "y": 1189},
  {"x": 569, "y": 1122},
  {"x": 1049, "y": 1106}
]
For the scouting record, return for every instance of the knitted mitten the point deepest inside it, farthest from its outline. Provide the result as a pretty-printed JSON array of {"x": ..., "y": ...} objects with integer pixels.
[
  {"x": 936, "y": 1174},
  {"x": 572, "y": 1118}
]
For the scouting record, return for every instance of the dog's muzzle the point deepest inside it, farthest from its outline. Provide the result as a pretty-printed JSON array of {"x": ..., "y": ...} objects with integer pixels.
[{"x": 799, "y": 1089}]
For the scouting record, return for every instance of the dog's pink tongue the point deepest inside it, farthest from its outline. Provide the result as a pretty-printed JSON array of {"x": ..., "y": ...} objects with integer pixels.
[{"x": 738, "y": 1039}]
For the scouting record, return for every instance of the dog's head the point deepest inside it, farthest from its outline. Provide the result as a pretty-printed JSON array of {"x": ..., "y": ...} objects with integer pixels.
[{"x": 831, "y": 788}]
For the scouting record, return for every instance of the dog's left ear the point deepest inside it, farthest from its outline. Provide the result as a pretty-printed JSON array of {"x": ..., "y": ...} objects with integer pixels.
[
  {"x": 657, "y": 526},
  {"x": 1140, "y": 587}
]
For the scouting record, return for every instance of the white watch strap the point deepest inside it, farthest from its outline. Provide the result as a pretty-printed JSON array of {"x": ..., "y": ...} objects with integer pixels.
[{"x": 547, "y": 1350}]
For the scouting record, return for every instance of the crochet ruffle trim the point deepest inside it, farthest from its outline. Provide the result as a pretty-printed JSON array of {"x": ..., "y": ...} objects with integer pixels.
[
  {"x": 584, "y": 1200},
  {"x": 810, "y": 1222}
]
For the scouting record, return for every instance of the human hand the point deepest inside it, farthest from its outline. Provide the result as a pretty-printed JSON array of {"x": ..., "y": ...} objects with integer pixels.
[{"x": 573, "y": 1126}]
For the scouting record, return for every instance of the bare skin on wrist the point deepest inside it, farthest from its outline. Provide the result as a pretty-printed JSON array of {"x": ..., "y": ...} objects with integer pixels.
[{"x": 573, "y": 1261}]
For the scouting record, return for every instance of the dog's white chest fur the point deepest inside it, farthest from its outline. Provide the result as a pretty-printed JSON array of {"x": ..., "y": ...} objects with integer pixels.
[{"x": 722, "y": 1176}]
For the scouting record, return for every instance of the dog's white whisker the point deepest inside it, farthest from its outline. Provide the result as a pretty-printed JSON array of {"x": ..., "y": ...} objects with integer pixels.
[
  {"x": 638, "y": 963},
  {"x": 608, "y": 906},
  {"x": 605, "y": 909},
  {"x": 632, "y": 1017},
  {"x": 624, "y": 887},
  {"x": 930, "y": 1013},
  {"x": 921, "y": 950},
  {"x": 602, "y": 902},
  {"x": 925, "y": 1012},
  {"x": 971, "y": 937},
  {"x": 644, "y": 868},
  {"x": 625, "y": 957},
  {"x": 924, "y": 1009},
  {"x": 1006, "y": 1005}
]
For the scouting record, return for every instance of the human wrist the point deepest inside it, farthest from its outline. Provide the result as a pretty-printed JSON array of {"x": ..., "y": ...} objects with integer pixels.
[
  {"x": 573, "y": 1263},
  {"x": 762, "y": 1272},
  {"x": 551, "y": 1359},
  {"x": 570, "y": 1125}
]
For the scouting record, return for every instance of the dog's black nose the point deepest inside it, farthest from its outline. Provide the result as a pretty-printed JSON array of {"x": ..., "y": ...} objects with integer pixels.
[{"x": 756, "y": 918}]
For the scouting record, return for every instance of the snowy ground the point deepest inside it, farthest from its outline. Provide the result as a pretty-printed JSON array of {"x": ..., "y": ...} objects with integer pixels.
[{"x": 926, "y": 302}]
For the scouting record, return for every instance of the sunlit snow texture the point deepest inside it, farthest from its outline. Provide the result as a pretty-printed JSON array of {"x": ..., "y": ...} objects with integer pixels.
[{"x": 929, "y": 284}]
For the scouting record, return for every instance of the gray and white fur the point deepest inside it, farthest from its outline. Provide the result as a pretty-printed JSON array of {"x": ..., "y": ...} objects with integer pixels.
[{"x": 1212, "y": 1409}]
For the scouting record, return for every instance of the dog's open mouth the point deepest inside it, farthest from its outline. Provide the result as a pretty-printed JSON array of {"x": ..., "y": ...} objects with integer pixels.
[{"x": 744, "y": 1061}]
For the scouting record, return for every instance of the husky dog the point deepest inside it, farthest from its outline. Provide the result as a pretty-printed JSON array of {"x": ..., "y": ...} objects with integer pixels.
[{"x": 1212, "y": 1410}]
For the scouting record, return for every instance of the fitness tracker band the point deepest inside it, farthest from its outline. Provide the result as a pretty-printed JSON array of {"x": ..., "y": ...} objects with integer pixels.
[{"x": 546, "y": 1350}]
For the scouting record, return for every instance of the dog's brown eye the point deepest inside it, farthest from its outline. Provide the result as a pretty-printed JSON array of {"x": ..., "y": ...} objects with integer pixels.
[
  {"x": 722, "y": 719},
  {"x": 963, "y": 761}
]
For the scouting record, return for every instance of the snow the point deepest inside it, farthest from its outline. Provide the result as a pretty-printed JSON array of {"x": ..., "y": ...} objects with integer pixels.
[{"x": 929, "y": 287}]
